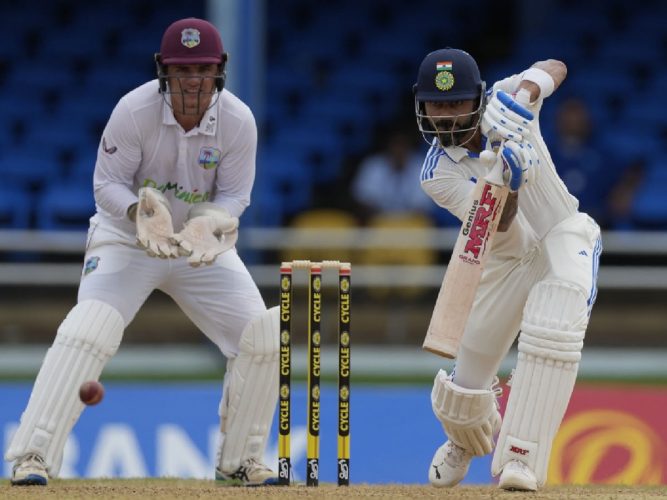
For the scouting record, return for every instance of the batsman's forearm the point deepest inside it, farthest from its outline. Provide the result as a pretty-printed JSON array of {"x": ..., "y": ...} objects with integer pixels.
[
  {"x": 543, "y": 75},
  {"x": 509, "y": 212}
]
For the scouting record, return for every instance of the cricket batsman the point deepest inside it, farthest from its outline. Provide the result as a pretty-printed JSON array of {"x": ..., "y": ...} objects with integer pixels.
[{"x": 539, "y": 281}]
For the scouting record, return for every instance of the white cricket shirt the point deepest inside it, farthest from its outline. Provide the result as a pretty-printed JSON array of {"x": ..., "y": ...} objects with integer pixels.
[
  {"x": 448, "y": 177},
  {"x": 143, "y": 145}
]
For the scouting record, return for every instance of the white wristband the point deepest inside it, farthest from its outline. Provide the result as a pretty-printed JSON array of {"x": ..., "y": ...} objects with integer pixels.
[{"x": 542, "y": 79}]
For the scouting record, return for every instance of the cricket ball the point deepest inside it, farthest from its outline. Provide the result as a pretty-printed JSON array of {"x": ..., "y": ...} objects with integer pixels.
[{"x": 91, "y": 392}]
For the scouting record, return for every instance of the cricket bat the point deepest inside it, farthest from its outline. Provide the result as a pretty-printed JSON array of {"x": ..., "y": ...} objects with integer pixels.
[{"x": 464, "y": 272}]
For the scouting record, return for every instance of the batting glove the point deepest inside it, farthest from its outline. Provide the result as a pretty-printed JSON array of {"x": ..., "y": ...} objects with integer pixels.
[
  {"x": 520, "y": 164},
  {"x": 504, "y": 116}
]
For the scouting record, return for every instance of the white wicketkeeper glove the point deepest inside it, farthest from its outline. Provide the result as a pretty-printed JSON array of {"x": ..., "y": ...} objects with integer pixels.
[
  {"x": 154, "y": 226},
  {"x": 209, "y": 231},
  {"x": 508, "y": 116}
]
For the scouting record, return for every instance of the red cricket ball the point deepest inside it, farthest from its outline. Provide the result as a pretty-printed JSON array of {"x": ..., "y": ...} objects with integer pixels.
[{"x": 91, "y": 392}]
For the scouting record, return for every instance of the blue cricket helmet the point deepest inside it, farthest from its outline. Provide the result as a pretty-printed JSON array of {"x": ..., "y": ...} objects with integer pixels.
[{"x": 448, "y": 75}]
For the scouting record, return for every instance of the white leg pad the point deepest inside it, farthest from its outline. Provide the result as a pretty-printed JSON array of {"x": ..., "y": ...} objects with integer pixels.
[
  {"x": 469, "y": 417},
  {"x": 552, "y": 334},
  {"x": 87, "y": 338},
  {"x": 250, "y": 393}
]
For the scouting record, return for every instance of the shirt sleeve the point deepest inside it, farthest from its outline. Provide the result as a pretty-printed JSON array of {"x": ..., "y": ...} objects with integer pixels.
[
  {"x": 236, "y": 174},
  {"x": 118, "y": 159},
  {"x": 449, "y": 187}
]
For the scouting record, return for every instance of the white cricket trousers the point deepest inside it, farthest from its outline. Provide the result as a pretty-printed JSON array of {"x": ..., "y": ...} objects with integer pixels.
[
  {"x": 570, "y": 252},
  {"x": 220, "y": 298}
]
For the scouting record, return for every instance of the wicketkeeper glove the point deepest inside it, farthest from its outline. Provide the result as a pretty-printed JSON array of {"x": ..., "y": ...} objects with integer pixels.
[
  {"x": 154, "y": 225},
  {"x": 209, "y": 231}
]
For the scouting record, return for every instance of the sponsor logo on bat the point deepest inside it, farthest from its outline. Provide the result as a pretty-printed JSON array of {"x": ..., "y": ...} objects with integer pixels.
[{"x": 478, "y": 232}]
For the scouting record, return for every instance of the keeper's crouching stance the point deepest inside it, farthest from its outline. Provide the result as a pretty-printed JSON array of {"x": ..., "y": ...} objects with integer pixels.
[
  {"x": 539, "y": 281},
  {"x": 174, "y": 172},
  {"x": 86, "y": 340}
]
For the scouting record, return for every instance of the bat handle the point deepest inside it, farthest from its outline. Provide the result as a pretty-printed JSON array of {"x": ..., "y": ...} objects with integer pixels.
[{"x": 495, "y": 176}]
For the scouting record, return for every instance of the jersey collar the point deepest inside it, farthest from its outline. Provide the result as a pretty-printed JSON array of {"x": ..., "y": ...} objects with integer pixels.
[
  {"x": 209, "y": 122},
  {"x": 457, "y": 153},
  {"x": 207, "y": 126}
]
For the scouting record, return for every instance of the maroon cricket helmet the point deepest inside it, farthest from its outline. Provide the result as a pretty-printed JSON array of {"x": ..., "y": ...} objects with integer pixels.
[{"x": 191, "y": 41}]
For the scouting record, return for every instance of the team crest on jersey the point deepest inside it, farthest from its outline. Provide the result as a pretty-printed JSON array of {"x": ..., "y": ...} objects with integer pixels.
[
  {"x": 190, "y": 37},
  {"x": 209, "y": 158},
  {"x": 444, "y": 80},
  {"x": 90, "y": 265}
]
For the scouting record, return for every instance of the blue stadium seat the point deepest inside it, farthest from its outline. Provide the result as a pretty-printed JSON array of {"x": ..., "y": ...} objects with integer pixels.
[
  {"x": 385, "y": 48},
  {"x": 619, "y": 54},
  {"x": 14, "y": 208},
  {"x": 622, "y": 146},
  {"x": 38, "y": 77},
  {"x": 658, "y": 86},
  {"x": 318, "y": 144},
  {"x": 82, "y": 41},
  {"x": 65, "y": 206},
  {"x": 18, "y": 104},
  {"x": 593, "y": 80},
  {"x": 649, "y": 207},
  {"x": 584, "y": 18},
  {"x": 60, "y": 136},
  {"x": 83, "y": 166},
  {"x": 365, "y": 76},
  {"x": 286, "y": 175},
  {"x": 267, "y": 206},
  {"x": 646, "y": 116},
  {"x": 28, "y": 167},
  {"x": 530, "y": 49},
  {"x": 647, "y": 23},
  {"x": 85, "y": 108},
  {"x": 117, "y": 80}
]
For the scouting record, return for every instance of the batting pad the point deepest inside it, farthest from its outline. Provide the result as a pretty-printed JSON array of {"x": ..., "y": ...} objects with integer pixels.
[
  {"x": 250, "y": 393},
  {"x": 86, "y": 340},
  {"x": 470, "y": 417},
  {"x": 552, "y": 334}
]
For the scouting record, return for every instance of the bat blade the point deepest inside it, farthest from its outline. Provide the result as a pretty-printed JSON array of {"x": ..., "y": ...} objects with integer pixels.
[{"x": 464, "y": 272}]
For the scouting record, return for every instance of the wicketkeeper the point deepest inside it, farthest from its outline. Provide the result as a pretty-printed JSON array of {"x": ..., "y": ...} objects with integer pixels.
[
  {"x": 539, "y": 282},
  {"x": 174, "y": 171}
]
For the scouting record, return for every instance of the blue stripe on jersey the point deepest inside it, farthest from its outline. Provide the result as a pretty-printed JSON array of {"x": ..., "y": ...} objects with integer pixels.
[
  {"x": 430, "y": 162},
  {"x": 597, "y": 250}
]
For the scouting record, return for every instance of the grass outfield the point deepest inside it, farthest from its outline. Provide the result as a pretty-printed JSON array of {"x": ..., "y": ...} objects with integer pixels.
[{"x": 179, "y": 489}]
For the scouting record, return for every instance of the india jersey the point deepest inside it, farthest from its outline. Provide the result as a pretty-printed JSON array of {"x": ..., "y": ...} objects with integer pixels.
[
  {"x": 143, "y": 146},
  {"x": 448, "y": 176}
]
